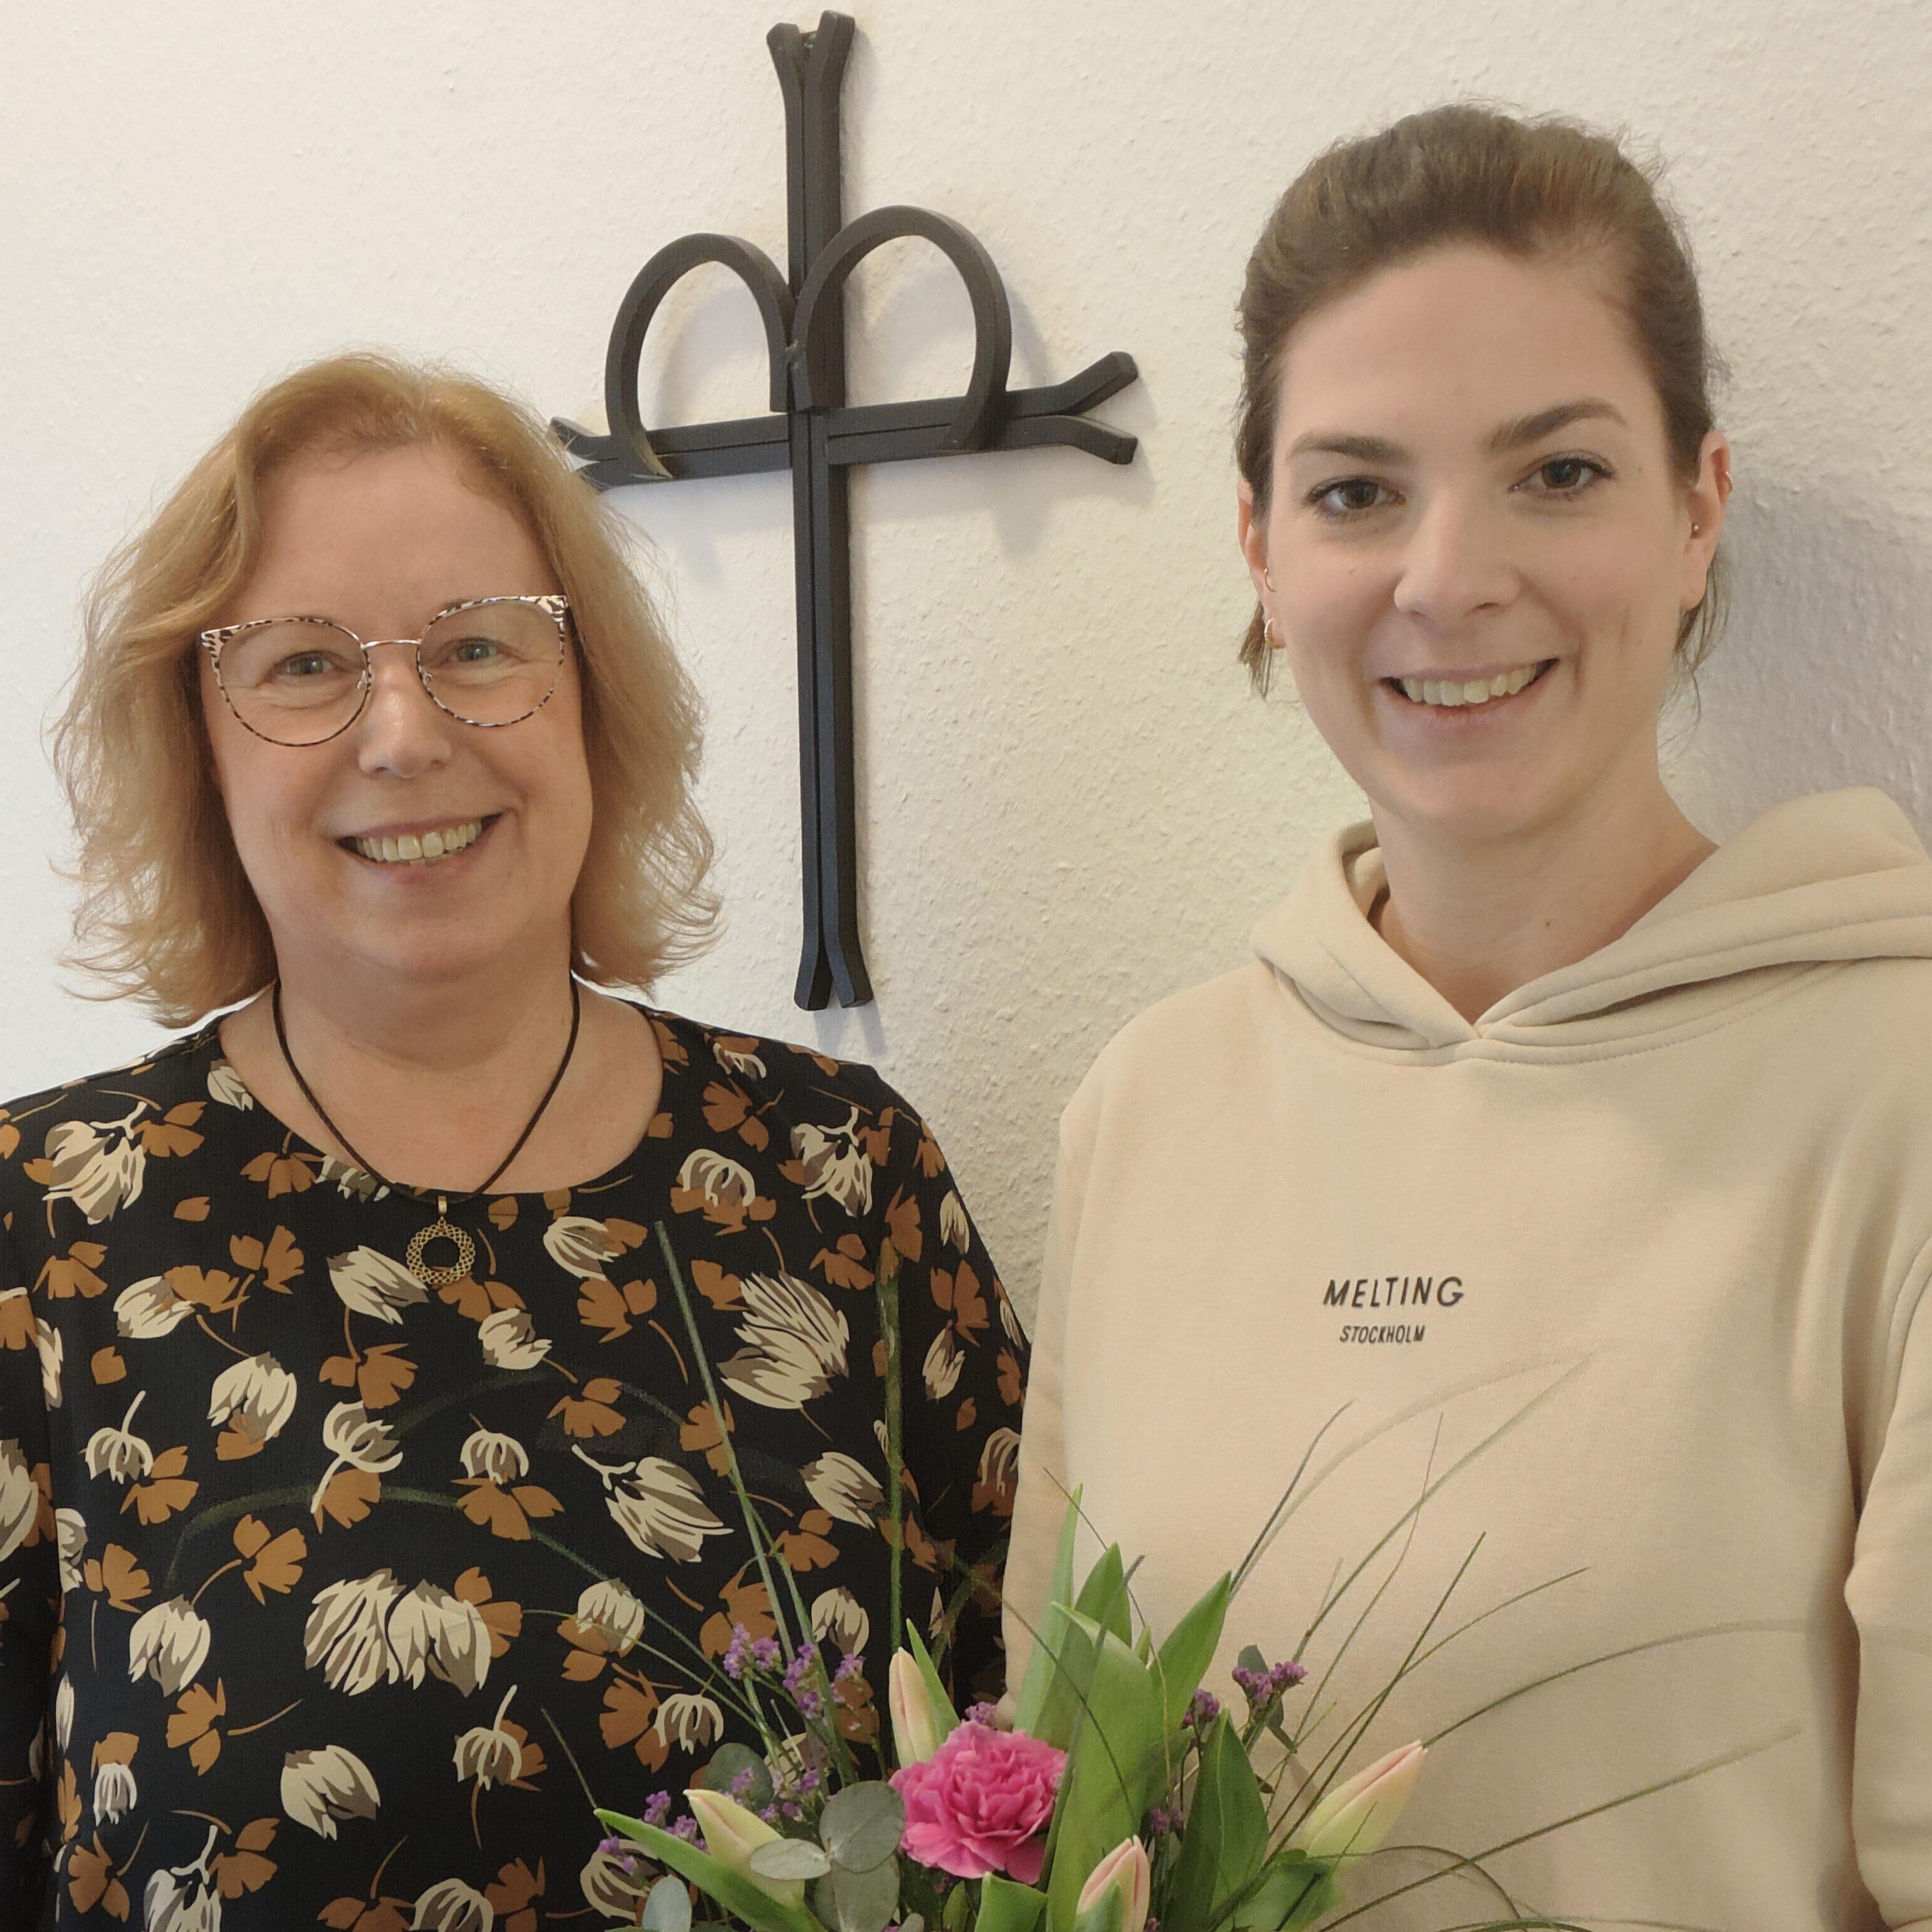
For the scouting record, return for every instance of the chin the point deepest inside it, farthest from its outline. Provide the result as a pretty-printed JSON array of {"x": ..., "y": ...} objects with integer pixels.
[{"x": 1482, "y": 809}]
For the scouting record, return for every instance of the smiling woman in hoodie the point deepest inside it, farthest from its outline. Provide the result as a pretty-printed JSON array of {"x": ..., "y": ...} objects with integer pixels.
[{"x": 1564, "y": 1179}]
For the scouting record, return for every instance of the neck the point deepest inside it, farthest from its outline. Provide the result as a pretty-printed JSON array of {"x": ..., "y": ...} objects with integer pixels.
[
  {"x": 430, "y": 1084},
  {"x": 1478, "y": 918},
  {"x": 471, "y": 1029}
]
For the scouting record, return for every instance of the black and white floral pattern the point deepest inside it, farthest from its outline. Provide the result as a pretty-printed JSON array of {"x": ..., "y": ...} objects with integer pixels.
[{"x": 324, "y": 1594}]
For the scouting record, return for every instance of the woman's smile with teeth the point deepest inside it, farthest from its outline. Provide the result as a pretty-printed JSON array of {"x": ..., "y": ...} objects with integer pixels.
[
  {"x": 412, "y": 849},
  {"x": 1447, "y": 693}
]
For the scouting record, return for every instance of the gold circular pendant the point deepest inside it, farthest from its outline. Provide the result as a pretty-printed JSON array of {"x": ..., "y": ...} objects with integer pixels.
[{"x": 441, "y": 1229}]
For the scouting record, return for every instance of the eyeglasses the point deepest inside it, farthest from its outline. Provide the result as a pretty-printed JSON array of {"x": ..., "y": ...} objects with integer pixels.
[{"x": 303, "y": 680}]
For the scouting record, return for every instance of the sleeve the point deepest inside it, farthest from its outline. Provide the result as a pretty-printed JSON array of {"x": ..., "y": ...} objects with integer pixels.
[
  {"x": 1040, "y": 1504},
  {"x": 30, "y": 1592},
  {"x": 963, "y": 1369},
  {"x": 1889, "y": 1593}
]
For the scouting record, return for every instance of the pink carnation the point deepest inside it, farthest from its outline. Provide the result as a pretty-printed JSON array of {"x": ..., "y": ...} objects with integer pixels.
[{"x": 981, "y": 1803}]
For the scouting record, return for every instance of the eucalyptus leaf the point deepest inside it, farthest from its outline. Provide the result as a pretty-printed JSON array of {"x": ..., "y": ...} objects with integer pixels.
[
  {"x": 1251, "y": 1659},
  {"x": 958, "y": 1908},
  {"x": 858, "y": 1901},
  {"x": 789, "y": 1857},
  {"x": 912, "y": 1923},
  {"x": 668, "y": 1908},
  {"x": 730, "y": 1763},
  {"x": 862, "y": 1826},
  {"x": 730, "y": 1889}
]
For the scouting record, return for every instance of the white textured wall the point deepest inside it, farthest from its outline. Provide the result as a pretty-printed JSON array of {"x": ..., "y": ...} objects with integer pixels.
[{"x": 1071, "y": 806}]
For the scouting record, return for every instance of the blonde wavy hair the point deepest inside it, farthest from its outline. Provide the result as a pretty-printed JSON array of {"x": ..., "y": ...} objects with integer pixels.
[{"x": 167, "y": 913}]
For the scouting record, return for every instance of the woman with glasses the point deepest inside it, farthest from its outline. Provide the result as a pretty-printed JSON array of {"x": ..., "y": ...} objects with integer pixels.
[
  {"x": 1557, "y": 1183},
  {"x": 375, "y": 1355}
]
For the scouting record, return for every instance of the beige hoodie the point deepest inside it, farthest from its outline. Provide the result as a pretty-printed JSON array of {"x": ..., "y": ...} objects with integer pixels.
[{"x": 1629, "y": 1270}]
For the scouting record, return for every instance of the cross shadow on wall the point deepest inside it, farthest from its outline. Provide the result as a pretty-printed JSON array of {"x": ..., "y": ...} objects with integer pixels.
[{"x": 1823, "y": 676}]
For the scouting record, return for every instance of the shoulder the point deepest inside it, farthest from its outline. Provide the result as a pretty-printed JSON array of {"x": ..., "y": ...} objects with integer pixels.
[
  {"x": 1209, "y": 1037},
  {"x": 135, "y": 1103},
  {"x": 775, "y": 1096},
  {"x": 795, "y": 1077}
]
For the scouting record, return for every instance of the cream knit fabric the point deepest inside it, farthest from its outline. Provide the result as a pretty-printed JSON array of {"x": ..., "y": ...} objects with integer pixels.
[{"x": 1631, "y": 1268}]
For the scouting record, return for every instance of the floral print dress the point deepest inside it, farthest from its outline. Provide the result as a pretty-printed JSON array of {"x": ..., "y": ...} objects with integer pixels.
[{"x": 329, "y": 1596}]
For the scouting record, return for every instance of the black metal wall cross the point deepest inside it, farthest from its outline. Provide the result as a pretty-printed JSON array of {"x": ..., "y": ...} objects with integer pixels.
[{"x": 811, "y": 431}]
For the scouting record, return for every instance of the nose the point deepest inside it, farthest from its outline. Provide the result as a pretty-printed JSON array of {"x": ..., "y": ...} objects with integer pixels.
[
  {"x": 1456, "y": 562},
  {"x": 401, "y": 733}
]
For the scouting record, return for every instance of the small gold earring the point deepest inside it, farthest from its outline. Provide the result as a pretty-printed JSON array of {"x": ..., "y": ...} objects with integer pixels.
[
  {"x": 1696, "y": 529},
  {"x": 1268, "y": 637},
  {"x": 1266, "y": 578}
]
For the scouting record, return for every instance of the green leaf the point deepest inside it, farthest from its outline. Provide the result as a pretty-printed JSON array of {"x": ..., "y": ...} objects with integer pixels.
[
  {"x": 789, "y": 1859},
  {"x": 1225, "y": 1837},
  {"x": 1108, "y": 1913},
  {"x": 1103, "y": 1596},
  {"x": 731, "y": 1889},
  {"x": 942, "y": 1703},
  {"x": 1295, "y": 1891},
  {"x": 959, "y": 1909},
  {"x": 668, "y": 1908},
  {"x": 1006, "y": 1906},
  {"x": 1041, "y": 1668},
  {"x": 858, "y": 1901},
  {"x": 731, "y": 1762},
  {"x": 1189, "y": 1649},
  {"x": 862, "y": 1825},
  {"x": 1067, "y": 1651},
  {"x": 1116, "y": 1767},
  {"x": 1320, "y": 1899}
]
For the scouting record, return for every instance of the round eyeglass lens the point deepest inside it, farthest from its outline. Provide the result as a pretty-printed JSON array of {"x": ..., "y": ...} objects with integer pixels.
[
  {"x": 297, "y": 681},
  {"x": 493, "y": 663}
]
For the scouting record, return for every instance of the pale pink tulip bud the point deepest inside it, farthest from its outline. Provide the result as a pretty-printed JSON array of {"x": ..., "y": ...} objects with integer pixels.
[
  {"x": 917, "y": 1728},
  {"x": 1122, "y": 1873},
  {"x": 1354, "y": 1818},
  {"x": 732, "y": 1834}
]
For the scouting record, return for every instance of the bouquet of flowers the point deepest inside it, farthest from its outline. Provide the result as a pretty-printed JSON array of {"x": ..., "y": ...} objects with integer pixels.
[
  {"x": 1117, "y": 1796},
  {"x": 1121, "y": 1796}
]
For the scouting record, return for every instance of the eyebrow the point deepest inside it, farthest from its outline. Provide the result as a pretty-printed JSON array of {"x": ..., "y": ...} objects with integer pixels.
[{"x": 1524, "y": 430}]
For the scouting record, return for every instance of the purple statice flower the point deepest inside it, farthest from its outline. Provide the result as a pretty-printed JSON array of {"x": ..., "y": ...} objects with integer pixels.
[
  {"x": 804, "y": 1660},
  {"x": 810, "y": 1779},
  {"x": 765, "y": 1654},
  {"x": 770, "y": 1814},
  {"x": 657, "y": 1808},
  {"x": 1262, "y": 1687},
  {"x": 988, "y": 1715},
  {"x": 621, "y": 1853},
  {"x": 809, "y": 1703},
  {"x": 1161, "y": 1820},
  {"x": 686, "y": 1828},
  {"x": 1202, "y": 1711},
  {"x": 850, "y": 1665},
  {"x": 740, "y": 1787},
  {"x": 735, "y": 1657}
]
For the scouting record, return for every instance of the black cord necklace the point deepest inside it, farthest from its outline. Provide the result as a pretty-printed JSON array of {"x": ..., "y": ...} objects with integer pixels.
[{"x": 442, "y": 1229}]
